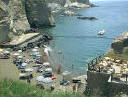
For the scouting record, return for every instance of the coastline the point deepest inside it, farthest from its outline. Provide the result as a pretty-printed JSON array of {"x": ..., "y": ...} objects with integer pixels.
[{"x": 7, "y": 64}]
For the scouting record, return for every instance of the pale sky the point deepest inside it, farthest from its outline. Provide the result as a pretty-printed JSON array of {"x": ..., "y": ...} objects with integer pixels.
[{"x": 108, "y": 0}]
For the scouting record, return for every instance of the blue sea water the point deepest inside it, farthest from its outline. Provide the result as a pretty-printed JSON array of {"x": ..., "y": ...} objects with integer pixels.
[{"x": 80, "y": 42}]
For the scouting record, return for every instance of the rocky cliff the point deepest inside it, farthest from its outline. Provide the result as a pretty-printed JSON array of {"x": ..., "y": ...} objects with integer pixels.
[
  {"x": 38, "y": 13},
  {"x": 16, "y": 15},
  {"x": 120, "y": 43},
  {"x": 4, "y": 27},
  {"x": 20, "y": 15},
  {"x": 62, "y": 2}
]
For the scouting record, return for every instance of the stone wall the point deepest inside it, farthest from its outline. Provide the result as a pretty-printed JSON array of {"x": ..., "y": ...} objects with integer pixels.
[
  {"x": 99, "y": 84},
  {"x": 114, "y": 88},
  {"x": 97, "y": 81}
]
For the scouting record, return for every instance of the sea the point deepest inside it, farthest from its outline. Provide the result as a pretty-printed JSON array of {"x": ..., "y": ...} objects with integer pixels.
[{"x": 75, "y": 42}]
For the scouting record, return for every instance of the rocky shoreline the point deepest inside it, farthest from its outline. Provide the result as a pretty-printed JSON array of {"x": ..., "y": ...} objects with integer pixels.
[{"x": 120, "y": 43}]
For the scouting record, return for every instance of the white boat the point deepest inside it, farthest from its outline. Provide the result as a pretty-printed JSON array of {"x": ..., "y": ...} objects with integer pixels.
[{"x": 101, "y": 32}]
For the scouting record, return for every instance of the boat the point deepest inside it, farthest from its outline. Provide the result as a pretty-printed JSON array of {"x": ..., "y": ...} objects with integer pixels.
[{"x": 101, "y": 32}]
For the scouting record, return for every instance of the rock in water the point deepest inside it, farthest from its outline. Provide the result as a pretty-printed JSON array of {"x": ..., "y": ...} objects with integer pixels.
[
  {"x": 38, "y": 14},
  {"x": 84, "y": 1},
  {"x": 87, "y": 18},
  {"x": 120, "y": 43}
]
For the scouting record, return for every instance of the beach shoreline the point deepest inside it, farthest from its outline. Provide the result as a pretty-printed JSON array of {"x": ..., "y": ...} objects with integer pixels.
[{"x": 10, "y": 71}]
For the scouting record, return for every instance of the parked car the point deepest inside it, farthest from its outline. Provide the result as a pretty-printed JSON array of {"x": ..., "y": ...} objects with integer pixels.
[
  {"x": 47, "y": 74},
  {"x": 4, "y": 56},
  {"x": 25, "y": 76},
  {"x": 64, "y": 82}
]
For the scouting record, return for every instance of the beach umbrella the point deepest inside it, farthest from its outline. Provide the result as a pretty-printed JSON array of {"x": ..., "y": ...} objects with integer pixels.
[
  {"x": 1, "y": 50},
  {"x": 36, "y": 47},
  {"x": 7, "y": 52},
  {"x": 46, "y": 64},
  {"x": 126, "y": 70},
  {"x": 38, "y": 55},
  {"x": 20, "y": 57},
  {"x": 24, "y": 64},
  {"x": 38, "y": 64},
  {"x": 19, "y": 51},
  {"x": 16, "y": 54},
  {"x": 48, "y": 69},
  {"x": 66, "y": 73},
  {"x": 34, "y": 50},
  {"x": 47, "y": 80},
  {"x": 29, "y": 70},
  {"x": 39, "y": 78}
]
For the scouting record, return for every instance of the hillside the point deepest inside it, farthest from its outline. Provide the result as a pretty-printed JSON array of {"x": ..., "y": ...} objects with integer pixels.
[{"x": 18, "y": 89}]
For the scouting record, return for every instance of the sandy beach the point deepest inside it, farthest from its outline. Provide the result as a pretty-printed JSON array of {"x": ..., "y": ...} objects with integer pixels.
[{"x": 10, "y": 71}]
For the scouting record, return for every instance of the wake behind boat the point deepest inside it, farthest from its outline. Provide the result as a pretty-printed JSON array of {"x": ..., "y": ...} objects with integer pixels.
[{"x": 101, "y": 32}]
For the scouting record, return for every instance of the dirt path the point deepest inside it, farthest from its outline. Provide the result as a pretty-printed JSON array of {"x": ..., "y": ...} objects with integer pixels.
[{"x": 8, "y": 70}]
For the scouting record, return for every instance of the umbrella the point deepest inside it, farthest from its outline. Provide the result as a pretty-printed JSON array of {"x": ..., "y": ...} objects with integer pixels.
[
  {"x": 39, "y": 78},
  {"x": 1, "y": 50},
  {"x": 38, "y": 55},
  {"x": 16, "y": 54},
  {"x": 6, "y": 52},
  {"x": 34, "y": 50},
  {"x": 47, "y": 80},
  {"x": 126, "y": 70},
  {"x": 46, "y": 64},
  {"x": 66, "y": 73},
  {"x": 36, "y": 47},
  {"x": 24, "y": 64},
  {"x": 19, "y": 51},
  {"x": 48, "y": 69},
  {"x": 38, "y": 64},
  {"x": 29, "y": 70},
  {"x": 20, "y": 57}
]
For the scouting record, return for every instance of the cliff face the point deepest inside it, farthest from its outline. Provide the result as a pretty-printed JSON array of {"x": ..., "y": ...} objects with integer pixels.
[
  {"x": 13, "y": 20},
  {"x": 120, "y": 43},
  {"x": 18, "y": 16},
  {"x": 4, "y": 27},
  {"x": 38, "y": 13}
]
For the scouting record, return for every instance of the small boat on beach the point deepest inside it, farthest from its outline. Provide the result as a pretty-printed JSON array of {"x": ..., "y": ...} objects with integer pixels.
[{"x": 101, "y": 32}]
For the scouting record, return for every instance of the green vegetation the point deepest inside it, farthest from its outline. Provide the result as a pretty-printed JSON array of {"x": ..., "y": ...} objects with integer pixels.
[
  {"x": 11, "y": 88},
  {"x": 117, "y": 56},
  {"x": 123, "y": 56}
]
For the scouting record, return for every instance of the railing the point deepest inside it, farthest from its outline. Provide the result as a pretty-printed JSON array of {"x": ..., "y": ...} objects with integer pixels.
[{"x": 94, "y": 62}]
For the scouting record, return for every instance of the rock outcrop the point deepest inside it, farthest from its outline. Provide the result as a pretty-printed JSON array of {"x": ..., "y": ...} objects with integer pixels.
[
  {"x": 63, "y": 2},
  {"x": 18, "y": 16},
  {"x": 38, "y": 14},
  {"x": 120, "y": 43},
  {"x": 84, "y": 1},
  {"x": 4, "y": 27},
  {"x": 13, "y": 20}
]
